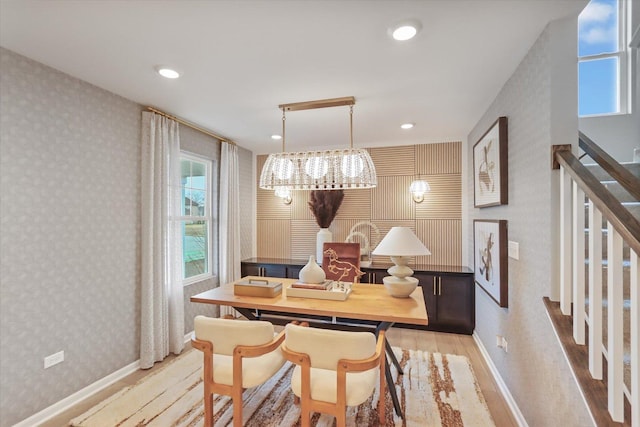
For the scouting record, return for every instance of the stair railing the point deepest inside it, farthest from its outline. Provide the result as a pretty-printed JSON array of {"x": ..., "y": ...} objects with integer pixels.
[{"x": 576, "y": 182}]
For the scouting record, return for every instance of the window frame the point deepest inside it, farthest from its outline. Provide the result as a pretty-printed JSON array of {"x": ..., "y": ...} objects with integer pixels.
[
  {"x": 624, "y": 72},
  {"x": 207, "y": 217}
]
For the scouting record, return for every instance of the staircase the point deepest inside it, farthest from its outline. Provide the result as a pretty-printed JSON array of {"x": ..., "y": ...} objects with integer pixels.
[{"x": 599, "y": 244}]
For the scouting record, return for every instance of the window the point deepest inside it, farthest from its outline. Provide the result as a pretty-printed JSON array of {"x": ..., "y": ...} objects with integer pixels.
[
  {"x": 603, "y": 58},
  {"x": 196, "y": 217}
]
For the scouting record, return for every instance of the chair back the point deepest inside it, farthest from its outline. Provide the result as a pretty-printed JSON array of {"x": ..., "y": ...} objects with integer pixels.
[
  {"x": 226, "y": 334},
  {"x": 326, "y": 347},
  {"x": 341, "y": 261}
]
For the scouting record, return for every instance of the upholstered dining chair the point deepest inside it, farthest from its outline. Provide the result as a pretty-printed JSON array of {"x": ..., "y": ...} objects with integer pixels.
[
  {"x": 238, "y": 354},
  {"x": 334, "y": 369}
]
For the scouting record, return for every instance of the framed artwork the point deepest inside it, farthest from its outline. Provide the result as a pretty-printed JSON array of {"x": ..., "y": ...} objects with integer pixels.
[
  {"x": 341, "y": 261},
  {"x": 490, "y": 256},
  {"x": 490, "y": 167}
]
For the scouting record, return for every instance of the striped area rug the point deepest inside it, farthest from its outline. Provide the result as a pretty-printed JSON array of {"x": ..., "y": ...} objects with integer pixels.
[{"x": 435, "y": 390}]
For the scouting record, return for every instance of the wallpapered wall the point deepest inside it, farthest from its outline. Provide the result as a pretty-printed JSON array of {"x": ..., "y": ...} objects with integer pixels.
[
  {"x": 533, "y": 100},
  {"x": 289, "y": 231},
  {"x": 69, "y": 233}
]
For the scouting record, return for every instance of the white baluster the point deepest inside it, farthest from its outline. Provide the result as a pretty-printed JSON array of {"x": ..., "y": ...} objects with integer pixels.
[
  {"x": 578, "y": 263},
  {"x": 635, "y": 340},
  {"x": 595, "y": 292},
  {"x": 615, "y": 367},
  {"x": 565, "y": 242}
]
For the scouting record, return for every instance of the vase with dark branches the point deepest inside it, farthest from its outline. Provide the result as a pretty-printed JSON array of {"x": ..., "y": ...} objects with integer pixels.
[{"x": 324, "y": 205}]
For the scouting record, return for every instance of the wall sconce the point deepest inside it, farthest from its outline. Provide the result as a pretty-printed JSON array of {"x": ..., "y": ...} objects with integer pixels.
[
  {"x": 285, "y": 194},
  {"x": 417, "y": 190}
]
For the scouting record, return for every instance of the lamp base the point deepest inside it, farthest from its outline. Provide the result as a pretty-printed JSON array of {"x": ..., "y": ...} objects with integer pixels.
[{"x": 400, "y": 287}]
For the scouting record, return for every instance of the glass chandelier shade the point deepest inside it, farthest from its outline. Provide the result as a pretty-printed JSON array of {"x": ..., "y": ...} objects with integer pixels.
[
  {"x": 344, "y": 169},
  {"x": 338, "y": 169}
]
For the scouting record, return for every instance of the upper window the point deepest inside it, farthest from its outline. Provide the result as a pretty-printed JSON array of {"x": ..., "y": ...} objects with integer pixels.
[
  {"x": 196, "y": 217},
  {"x": 602, "y": 58}
]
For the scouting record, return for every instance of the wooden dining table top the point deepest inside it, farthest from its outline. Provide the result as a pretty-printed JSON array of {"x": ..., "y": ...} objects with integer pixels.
[{"x": 366, "y": 302}]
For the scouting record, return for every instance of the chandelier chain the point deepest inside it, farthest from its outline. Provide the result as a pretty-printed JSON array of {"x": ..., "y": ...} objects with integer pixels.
[{"x": 283, "y": 136}]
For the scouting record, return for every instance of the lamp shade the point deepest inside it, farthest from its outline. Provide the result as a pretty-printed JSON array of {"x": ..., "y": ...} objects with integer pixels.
[
  {"x": 319, "y": 170},
  {"x": 401, "y": 241}
]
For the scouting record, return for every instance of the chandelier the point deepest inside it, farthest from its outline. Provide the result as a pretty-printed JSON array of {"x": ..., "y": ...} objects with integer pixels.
[{"x": 347, "y": 168}]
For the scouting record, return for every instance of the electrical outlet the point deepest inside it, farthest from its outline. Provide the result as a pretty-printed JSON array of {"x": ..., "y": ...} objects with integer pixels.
[
  {"x": 53, "y": 359},
  {"x": 498, "y": 340}
]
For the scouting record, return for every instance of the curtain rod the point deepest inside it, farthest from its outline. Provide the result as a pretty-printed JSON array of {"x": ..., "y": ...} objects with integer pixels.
[{"x": 191, "y": 125}]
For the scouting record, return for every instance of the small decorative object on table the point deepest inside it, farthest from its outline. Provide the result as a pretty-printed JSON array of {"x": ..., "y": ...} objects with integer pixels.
[
  {"x": 257, "y": 288},
  {"x": 337, "y": 291},
  {"x": 312, "y": 272}
]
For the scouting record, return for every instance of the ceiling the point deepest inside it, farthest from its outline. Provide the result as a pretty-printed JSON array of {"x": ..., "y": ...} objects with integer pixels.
[{"x": 241, "y": 59}]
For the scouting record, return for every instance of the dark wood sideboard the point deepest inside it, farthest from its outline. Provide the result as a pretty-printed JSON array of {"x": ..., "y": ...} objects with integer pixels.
[{"x": 449, "y": 291}]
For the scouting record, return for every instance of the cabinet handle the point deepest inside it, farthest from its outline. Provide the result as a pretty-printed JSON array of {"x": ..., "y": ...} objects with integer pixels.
[
  {"x": 440, "y": 285},
  {"x": 374, "y": 278},
  {"x": 434, "y": 285}
]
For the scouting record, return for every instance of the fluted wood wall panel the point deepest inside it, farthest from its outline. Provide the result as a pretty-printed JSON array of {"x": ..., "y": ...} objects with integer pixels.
[
  {"x": 444, "y": 201},
  {"x": 356, "y": 204},
  {"x": 444, "y": 240},
  {"x": 390, "y": 161},
  {"x": 274, "y": 238},
  {"x": 289, "y": 231},
  {"x": 391, "y": 198},
  {"x": 300, "y": 205},
  {"x": 437, "y": 159},
  {"x": 303, "y": 238},
  {"x": 271, "y": 207}
]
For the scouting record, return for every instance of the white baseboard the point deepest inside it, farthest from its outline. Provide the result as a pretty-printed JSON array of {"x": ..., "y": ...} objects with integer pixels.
[
  {"x": 77, "y": 397},
  {"x": 515, "y": 410}
]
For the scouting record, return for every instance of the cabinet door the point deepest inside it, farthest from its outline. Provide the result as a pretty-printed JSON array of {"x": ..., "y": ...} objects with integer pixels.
[
  {"x": 426, "y": 281},
  {"x": 249, "y": 269},
  {"x": 293, "y": 271},
  {"x": 264, "y": 270},
  {"x": 456, "y": 307}
]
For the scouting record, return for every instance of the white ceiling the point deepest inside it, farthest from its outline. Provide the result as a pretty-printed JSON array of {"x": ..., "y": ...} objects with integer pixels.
[{"x": 241, "y": 59}]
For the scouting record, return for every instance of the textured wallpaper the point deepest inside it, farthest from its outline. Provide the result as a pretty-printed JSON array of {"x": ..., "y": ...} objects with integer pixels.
[
  {"x": 69, "y": 233},
  {"x": 534, "y": 369}
]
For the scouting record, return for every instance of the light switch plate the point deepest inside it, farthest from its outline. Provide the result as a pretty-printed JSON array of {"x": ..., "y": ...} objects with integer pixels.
[{"x": 514, "y": 250}]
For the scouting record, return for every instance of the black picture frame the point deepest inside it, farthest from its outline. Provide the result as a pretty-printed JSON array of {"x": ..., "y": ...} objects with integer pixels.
[
  {"x": 490, "y": 259},
  {"x": 490, "y": 166}
]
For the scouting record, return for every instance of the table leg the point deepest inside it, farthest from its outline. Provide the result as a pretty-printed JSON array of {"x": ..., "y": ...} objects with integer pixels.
[
  {"x": 392, "y": 389},
  {"x": 393, "y": 358}
]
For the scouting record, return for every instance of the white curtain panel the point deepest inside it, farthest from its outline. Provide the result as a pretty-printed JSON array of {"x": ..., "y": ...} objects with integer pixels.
[
  {"x": 229, "y": 218},
  {"x": 162, "y": 300}
]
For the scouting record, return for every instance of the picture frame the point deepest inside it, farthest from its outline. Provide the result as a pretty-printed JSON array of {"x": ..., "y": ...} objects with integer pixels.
[
  {"x": 490, "y": 167},
  {"x": 490, "y": 259}
]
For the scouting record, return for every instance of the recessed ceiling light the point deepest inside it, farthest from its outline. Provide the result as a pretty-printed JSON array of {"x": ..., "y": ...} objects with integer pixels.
[
  {"x": 276, "y": 137},
  {"x": 167, "y": 72},
  {"x": 407, "y": 125},
  {"x": 405, "y": 30}
]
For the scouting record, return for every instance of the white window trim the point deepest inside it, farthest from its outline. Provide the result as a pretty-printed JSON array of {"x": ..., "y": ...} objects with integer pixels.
[
  {"x": 207, "y": 217},
  {"x": 625, "y": 64}
]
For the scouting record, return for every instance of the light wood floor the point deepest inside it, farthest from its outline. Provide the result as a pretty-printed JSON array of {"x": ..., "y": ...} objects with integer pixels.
[{"x": 406, "y": 338}]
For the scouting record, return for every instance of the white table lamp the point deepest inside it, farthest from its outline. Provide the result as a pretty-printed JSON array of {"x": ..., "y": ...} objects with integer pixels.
[{"x": 400, "y": 244}]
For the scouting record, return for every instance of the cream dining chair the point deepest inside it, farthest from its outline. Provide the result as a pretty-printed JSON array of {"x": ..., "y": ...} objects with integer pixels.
[
  {"x": 238, "y": 354},
  {"x": 334, "y": 369}
]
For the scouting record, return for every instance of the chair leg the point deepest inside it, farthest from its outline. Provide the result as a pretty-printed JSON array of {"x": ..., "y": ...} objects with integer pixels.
[
  {"x": 341, "y": 418},
  {"x": 208, "y": 407},
  {"x": 296, "y": 400},
  {"x": 305, "y": 415},
  {"x": 237, "y": 407}
]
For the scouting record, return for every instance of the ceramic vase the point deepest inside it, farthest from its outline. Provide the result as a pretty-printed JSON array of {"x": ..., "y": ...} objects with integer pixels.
[
  {"x": 324, "y": 235},
  {"x": 312, "y": 272}
]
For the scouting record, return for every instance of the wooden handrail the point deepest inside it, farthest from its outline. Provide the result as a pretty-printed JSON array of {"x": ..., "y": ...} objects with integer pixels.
[
  {"x": 621, "y": 219},
  {"x": 629, "y": 181}
]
